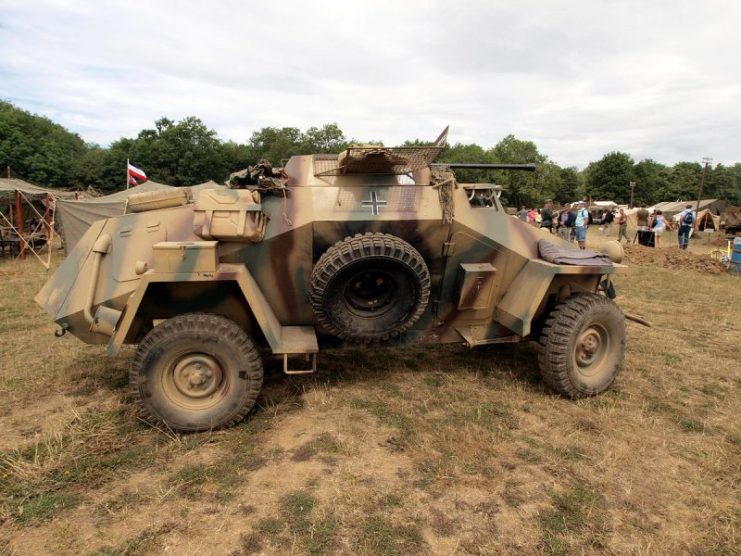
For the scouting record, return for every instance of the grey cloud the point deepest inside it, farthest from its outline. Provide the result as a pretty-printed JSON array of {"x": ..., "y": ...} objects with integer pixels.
[{"x": 579, "y": 78}]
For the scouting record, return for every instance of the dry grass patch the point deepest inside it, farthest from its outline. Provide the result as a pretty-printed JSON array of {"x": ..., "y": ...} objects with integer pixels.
[{"x": 387, "y": 450}]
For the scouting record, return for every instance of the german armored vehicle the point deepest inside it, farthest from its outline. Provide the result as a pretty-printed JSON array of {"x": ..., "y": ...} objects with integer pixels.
[{"x": 373, "y": 245}]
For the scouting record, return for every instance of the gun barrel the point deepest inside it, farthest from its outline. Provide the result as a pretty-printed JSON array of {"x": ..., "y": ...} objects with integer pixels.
[{"x": 469, "y": 166}]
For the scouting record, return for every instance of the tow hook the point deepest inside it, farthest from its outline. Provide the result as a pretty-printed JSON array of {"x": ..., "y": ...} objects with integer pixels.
[{"x": 62, "y": 330}]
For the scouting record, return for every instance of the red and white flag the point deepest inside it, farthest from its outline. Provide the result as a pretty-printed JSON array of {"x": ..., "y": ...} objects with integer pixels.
[{"x": 135, "y": 174}]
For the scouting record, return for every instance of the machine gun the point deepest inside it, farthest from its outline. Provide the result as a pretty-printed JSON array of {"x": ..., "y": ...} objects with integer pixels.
[{"x": 474, "y": 166}]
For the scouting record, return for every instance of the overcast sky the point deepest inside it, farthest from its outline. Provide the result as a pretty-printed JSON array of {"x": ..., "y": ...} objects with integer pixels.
[{"x": 657, "y": 79}]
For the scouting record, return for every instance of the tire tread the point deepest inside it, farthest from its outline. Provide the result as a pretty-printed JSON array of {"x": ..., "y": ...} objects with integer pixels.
[
  {"x": 354, "y": 248},
  {"x": 553, "y": 345},
  {"x": 194, "y": 322}
]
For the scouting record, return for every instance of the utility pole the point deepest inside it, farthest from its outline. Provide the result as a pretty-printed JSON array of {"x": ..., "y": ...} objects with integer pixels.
[
  {"x": 632, "y": 188},
  {"x": 707, "y": 162}
]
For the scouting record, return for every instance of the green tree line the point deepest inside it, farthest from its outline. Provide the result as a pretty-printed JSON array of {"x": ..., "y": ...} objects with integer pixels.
[{"x": 187, "y": 152}]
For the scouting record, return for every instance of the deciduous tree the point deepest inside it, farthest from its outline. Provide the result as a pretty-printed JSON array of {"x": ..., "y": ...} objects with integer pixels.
[{"x": 608, "y": 179}]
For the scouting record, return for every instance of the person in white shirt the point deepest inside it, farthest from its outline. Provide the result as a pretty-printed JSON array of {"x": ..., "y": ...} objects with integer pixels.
[
  {"x": 658, "y": 225},
  {"x": 580, "y": 225}
]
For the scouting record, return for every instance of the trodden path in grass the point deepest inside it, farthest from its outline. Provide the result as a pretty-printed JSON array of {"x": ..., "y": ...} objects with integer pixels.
[{"x": 386, "y": 451}]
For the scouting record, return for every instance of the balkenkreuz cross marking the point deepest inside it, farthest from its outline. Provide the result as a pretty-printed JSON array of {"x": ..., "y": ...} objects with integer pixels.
[{"x": 375, "y": 203}]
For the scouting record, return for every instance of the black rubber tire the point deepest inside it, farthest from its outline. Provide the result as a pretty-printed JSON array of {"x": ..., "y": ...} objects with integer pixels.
[
  {"x": 582, "y": 345},
  {"x": 170, "y": 391},
  {"x": 369, "y": 288}
]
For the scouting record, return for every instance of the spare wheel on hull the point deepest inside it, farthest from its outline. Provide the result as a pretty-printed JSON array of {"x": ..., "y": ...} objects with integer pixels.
[{"x": 370, "y": 287}]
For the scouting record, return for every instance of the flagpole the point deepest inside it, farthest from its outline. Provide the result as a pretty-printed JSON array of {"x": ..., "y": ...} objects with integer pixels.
[{"x": 127, "y": 174}]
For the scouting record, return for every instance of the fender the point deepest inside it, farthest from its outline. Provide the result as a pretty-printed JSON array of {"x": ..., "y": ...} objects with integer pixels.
[
  {"x": 517, "y": 310},
  {"x": 281, "y": 339}
]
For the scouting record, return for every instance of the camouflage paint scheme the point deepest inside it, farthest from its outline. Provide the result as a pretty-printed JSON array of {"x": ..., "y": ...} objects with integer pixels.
[{"x": 488, "y": 283}]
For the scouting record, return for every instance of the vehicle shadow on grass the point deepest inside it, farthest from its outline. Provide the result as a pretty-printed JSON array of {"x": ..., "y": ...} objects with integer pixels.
[
  {"x": 505, "y": 363},
  {"x": 499, "y": 366}
]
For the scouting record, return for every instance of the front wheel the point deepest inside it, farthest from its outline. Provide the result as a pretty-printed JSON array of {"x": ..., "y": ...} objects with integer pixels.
[
  {"x": 582, "y": 345},
  {"x": 196, "y": 372}
]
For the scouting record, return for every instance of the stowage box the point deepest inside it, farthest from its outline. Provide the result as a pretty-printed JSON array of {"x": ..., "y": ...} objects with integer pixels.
[
  {"x": 229, "y": 215},
  {"x": 185, "y": 256}
]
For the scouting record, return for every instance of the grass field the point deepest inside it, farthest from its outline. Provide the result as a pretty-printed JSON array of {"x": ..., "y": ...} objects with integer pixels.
[{"x": 387, "y": 451}]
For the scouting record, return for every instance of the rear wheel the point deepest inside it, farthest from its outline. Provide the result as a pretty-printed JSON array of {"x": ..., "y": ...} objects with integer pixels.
[
  {"x": 582, "y": 345},
  {"x": 196, "y": 372}
]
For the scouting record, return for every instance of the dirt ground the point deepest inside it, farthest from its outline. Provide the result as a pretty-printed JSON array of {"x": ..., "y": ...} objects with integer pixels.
[
  {"x": 669, "y": 255},
  {"x": 389, "y": 451},
  {"x": 673, "y": 258}
]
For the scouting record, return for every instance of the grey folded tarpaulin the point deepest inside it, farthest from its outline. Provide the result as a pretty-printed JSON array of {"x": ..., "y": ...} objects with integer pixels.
[{"x": 568, "y": 255}]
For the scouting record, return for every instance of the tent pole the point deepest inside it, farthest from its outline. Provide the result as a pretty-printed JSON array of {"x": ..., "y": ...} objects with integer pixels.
[
  {"x": 707, "y": 161},
  {"x": 49, "y": 220},
  {"x": 19, "y": 225}
]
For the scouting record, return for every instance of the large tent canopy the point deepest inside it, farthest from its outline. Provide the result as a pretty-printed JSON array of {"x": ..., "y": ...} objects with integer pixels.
[
  {"x": 77, "y": 216},
  {"x": 670, "y": 209},
  {"x": 9, "y": 186}
]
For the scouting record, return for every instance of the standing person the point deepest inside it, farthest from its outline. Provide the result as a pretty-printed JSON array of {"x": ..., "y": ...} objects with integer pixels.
[
  {"x": 522, "y": 213},
  {"x": 642, "y": 219},
  {"x": 580, "y": 225},
  {"x": 565, "y": 222},
  {"x": 531, "y": 214},
  {"x": 546, "y": 216},
  {"x": 607, "y": 222},
  {"x": 623, "y": 226},
  {"x": 658, "y": 226},
  {"x": 642, "y": 225},
  {"x": 686, "y": 221}
]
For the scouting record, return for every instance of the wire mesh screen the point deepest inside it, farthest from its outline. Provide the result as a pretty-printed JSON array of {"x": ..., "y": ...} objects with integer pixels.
[{"x": 376, "y": 160}]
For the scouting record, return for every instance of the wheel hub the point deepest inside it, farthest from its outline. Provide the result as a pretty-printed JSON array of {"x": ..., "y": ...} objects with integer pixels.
[
  {"x": 370, "y": 291},
  {"x": 591, "y": 346},
  {"x": 197, "y": 375}
]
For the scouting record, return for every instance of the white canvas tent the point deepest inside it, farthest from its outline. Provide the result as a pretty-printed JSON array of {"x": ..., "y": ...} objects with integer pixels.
[
  {"x": 704, "y": 221},
  {"x": 671, "y": 209},
  {"x": 77, "y": 216}
]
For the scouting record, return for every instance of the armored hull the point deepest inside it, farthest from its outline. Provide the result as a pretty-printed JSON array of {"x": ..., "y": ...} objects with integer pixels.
[{"x": 370, "y": 246}]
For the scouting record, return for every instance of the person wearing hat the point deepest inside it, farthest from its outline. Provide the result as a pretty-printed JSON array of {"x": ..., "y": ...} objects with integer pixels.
[{"x": 580, "y": 224}]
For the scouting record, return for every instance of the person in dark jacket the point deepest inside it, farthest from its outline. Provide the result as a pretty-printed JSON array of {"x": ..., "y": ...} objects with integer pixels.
[
  {"x": 565, "y": 224},
  {"x": 546, "y": 216},
  {"x": 607, "y": 221}
]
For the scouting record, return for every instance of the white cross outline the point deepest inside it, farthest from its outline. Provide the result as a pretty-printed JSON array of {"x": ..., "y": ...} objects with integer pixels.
[{"x": 374, "y": 203}]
